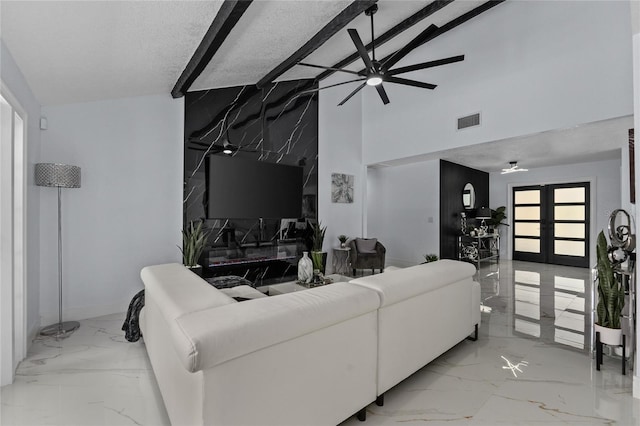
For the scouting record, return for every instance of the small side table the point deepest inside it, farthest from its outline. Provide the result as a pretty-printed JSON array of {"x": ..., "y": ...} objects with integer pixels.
[{"x": 341, "y": 262}]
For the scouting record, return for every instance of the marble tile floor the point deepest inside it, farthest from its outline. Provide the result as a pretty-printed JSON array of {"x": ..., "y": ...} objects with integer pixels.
[{"x": 530, "y": 366}]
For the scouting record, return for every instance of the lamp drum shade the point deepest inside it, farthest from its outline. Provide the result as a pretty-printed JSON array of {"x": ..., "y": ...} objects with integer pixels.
[
  {"x": 483, "y": 213},
  {"x": 57, "y": 175}
]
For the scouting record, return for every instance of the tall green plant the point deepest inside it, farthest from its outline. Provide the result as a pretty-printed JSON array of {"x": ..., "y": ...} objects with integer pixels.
[
  {"x": 193, "y": 241},
  {"x": 317, "y": 240},
  {"x": 497, "y": 217},
  {"x": 610, "y": 291},
  {"x": 318, "y": 236}
]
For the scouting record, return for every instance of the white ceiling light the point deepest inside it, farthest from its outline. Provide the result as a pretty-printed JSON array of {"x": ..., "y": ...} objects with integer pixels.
[
  {"x": 513, "y": 169},
  {"x": 374, "y": 80}
]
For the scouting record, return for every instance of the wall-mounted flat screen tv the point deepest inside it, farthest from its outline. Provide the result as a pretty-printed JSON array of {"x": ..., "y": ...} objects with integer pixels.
[{"x": 239, "y": 188}]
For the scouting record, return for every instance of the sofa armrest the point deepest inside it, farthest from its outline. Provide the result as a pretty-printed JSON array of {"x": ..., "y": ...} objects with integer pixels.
[{"x": 210, "y": 337}]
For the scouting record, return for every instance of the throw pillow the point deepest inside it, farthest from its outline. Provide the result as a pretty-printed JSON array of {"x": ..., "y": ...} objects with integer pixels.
[{"x": 366, "y": 245}]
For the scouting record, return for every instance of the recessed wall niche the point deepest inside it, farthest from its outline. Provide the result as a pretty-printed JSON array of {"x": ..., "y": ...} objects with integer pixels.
[{"x": 276, "y": 124}]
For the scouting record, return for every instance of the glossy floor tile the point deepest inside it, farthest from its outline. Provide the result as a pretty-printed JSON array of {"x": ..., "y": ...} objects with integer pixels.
[{"x": 531, "y": 366}]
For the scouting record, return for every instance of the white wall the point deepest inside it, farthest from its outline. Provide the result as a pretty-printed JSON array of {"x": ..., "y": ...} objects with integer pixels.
[
  {"x": 403, "y": 211},
  {"x": 128, "y": 212},
  {"x": 604, "y": 177},
  {"x": 339, "y": 151},
  {"x": 15, "y": 82},
  {"x": 529, "y": 67}
]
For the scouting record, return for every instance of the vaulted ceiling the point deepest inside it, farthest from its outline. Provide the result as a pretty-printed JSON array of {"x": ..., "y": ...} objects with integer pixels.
[{"x": 75, "y": 51}]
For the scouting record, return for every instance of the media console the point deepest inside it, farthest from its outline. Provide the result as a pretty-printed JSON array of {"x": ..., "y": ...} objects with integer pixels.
[{"x": 256, "y": 262}]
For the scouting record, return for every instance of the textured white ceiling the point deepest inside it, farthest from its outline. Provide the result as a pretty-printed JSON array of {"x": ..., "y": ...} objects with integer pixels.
[
  {"x": 75, "y": 51},
  {"x": 267, "y": 34}
]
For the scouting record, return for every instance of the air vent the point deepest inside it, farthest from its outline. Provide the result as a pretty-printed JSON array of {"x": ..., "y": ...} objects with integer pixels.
[{"x": 469, "y": 121}]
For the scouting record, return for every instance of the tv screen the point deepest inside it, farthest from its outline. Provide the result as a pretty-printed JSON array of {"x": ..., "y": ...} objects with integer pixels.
[{"x": 248, "y": 189}]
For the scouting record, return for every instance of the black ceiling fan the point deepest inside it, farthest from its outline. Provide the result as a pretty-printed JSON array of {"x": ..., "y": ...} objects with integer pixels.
[{"x": 376, "y": 72}]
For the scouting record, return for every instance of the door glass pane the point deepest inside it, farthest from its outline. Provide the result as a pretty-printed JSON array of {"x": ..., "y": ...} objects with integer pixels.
[
  {"x": 527, "y": 213},
  {"x": 528, "y": 229},
  {"x": 569, "y": 212},
  {"x": 569, "y": 230},
  {"x": 527, "y": 245},
  {"x": 569, "y": 248},
  {"x": 569, "y": 195},
  {"x": 527, "y": 197}
]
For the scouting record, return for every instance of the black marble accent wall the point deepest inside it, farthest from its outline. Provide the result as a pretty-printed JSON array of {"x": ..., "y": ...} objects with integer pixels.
[
  {"x": 453, "y": 178},
  {"x": 277, "y": 124}
]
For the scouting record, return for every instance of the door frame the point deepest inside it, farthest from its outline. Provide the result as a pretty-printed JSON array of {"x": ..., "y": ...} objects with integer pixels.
[
  {"x": 14, "y": 337},
  {"x": 592, "y": 209}
]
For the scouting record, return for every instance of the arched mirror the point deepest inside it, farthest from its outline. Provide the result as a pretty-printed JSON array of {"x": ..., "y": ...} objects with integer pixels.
[{"x": 468, "y": 196}]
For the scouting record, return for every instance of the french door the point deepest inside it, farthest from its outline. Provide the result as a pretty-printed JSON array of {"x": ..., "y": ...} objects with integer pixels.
[{"x": 551, "y": 224}]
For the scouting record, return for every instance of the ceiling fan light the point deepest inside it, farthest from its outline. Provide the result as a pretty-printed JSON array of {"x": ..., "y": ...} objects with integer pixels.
[
  {"x": 227, "y": 151},
  {"x": 374, "y": 80}
]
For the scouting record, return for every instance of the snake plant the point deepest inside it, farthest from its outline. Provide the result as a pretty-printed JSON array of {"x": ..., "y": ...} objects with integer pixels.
[
  {"x": 193, "y": 241},
  {"x": 610, "y": 290}
]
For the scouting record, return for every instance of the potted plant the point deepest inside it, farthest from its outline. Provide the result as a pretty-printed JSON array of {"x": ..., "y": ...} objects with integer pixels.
[
  {"x": 610, "y": 297},
  {"x": 318, "y": 257},
  {"x": 430, "y": 257},
  {"x": 497, "y": 217},
  {"x": 194, "y": 239},
  {"x": 343, "y": 240}
]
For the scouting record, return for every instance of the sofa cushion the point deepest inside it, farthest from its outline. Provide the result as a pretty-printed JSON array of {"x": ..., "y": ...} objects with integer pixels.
[
  {"x": 366, "y": 245},
  {"x": 395, "y": 286},
  {"x": 210, "y": 337}
]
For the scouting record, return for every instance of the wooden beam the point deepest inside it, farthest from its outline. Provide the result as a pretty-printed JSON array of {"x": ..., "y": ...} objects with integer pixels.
[
  {"x": 329, "y": 30},
  {"x": 227, "y": 17},
  {"x": 423, "y": 13}
]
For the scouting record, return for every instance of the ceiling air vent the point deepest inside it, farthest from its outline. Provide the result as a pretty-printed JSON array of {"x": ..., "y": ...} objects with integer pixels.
[{"x": 469, "y": 121}]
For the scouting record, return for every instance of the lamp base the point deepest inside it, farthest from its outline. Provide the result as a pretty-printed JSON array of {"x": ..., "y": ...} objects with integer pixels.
[{"x": 60, "y": 330}]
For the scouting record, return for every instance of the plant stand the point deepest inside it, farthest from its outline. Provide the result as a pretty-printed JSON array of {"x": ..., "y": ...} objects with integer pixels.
[{"x": 599, "y": 348}]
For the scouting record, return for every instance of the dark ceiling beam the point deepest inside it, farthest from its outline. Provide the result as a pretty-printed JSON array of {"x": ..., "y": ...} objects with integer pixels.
[
  {"x": 423, "y": 13},
  {"x": 453, "y": 23},
  {"x": 339, "y": 22},
  {"x": 227, "y": 17}
]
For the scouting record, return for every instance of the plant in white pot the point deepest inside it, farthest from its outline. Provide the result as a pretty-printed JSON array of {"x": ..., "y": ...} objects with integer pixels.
[
  {"x": 194, "y": 239},
  {"x": 610, "y": 297}
]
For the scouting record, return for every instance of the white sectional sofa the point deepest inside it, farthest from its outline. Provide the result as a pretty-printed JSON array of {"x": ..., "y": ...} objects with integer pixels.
[{"x": 312, "y": 357}]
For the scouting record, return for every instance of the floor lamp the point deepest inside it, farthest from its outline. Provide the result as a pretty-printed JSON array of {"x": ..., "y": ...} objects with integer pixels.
[{"x": 58, "y": 176}]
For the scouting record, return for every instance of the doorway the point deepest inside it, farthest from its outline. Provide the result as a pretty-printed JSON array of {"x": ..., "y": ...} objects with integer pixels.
[{"x": 551, "y": 224}]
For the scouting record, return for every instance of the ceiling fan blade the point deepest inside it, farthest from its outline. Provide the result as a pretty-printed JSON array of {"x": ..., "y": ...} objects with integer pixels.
[
  {"x": 408, "y": 82},
  {"x": 352, "y": 93},
  {"x": 424, "y": 65},
  {"x": 362, "y": 51},
  {"x": 424, "y": 35},
  {"x": 331, "y": 85},
  {"x": 382, "y": 93},
  {"x": 327, "y": 68}
]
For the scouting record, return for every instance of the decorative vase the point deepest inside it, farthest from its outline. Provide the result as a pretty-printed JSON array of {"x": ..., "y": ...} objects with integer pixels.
[
  {"x": 319, "y": 260},
  {"x": 609, "y": 336},
  {"x": 343, "y": 245},
  {"x": 305, "y": 268}
]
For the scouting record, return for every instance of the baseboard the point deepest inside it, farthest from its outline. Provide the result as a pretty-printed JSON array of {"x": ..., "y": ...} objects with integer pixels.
[{"x": 77, "y": 314}]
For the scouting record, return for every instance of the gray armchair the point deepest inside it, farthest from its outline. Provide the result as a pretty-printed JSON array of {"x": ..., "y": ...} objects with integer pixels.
[{"x": 373, "y": 258}]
